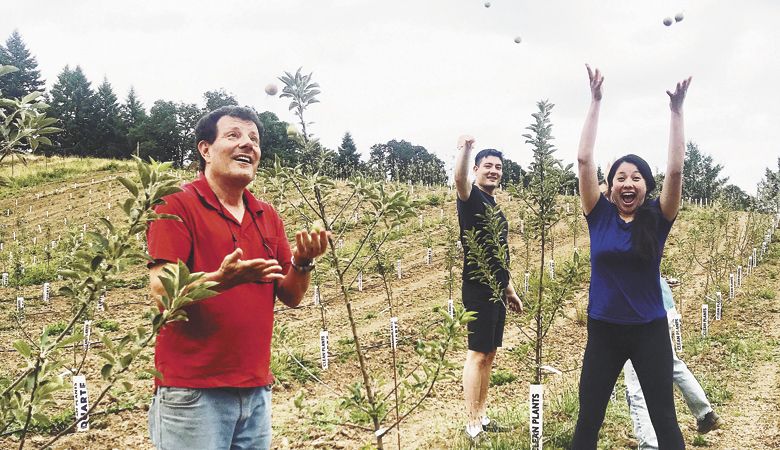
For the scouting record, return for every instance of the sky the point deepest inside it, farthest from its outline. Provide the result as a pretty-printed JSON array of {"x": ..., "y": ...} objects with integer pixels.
[{"x": 427, "y": 71}]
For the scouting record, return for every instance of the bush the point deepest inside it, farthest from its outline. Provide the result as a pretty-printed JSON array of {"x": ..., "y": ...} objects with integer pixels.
[
  {"x": 501, "y": 376},
  {"x": 107, "y": 325},
  {"x": 55, "y": 329}
]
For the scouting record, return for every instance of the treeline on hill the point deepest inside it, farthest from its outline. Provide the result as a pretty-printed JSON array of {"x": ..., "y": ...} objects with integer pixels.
[{"x": 95, "y": 123}]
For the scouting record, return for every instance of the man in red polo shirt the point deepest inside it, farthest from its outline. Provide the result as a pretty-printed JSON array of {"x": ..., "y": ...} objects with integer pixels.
[{"x": 216, "y": 385}]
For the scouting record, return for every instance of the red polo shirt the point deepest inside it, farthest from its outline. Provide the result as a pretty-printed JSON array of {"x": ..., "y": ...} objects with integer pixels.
[{"x": 227, "y": 340}]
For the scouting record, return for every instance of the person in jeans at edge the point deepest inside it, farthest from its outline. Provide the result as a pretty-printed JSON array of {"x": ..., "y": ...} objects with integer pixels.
[
  {"x": 215, "y": 390},
  {"x": 626, "y": 316},
  {"x": 487, "y": 330},
  {"x": 706, "y": 419}
]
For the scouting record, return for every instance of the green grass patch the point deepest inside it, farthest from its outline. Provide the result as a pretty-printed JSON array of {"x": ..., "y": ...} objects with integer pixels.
[
  {"x": 716, "y": 391},
  {"x": 55, "y": 329},
  {"x": 107, "y": 325},
  {"x": 500, "y": 377}
]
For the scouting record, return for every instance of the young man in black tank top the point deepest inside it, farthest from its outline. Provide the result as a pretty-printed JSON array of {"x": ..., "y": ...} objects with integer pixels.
[{"x": 486, "y": 332}]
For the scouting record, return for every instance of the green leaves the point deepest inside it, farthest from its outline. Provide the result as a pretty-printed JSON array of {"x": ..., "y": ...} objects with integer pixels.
[{"x": 182, "y": 288}]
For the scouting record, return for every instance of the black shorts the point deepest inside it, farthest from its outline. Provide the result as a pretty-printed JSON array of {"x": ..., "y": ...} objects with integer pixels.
[{"x": 486, "y": 333}]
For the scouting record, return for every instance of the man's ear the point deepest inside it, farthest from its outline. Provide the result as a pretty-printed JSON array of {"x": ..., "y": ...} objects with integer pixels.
[{"x": 204, "y": 148}]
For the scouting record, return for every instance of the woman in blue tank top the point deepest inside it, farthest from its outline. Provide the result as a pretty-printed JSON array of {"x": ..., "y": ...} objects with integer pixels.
[{"x": 626, "y": 316}]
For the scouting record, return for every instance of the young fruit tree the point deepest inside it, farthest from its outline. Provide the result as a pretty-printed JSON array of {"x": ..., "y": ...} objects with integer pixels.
[{"x": 92, "y": 265}]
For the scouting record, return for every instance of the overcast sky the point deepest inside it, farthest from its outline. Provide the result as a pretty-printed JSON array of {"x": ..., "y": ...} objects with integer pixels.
[{"x": 429, "y": 70}]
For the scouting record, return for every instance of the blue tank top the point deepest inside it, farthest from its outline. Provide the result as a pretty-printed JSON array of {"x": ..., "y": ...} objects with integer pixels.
[{"x": 624, "y": 289}]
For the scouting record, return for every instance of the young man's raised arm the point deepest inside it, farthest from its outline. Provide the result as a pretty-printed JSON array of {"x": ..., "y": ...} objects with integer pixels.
[{"x": 461, "y": 172}]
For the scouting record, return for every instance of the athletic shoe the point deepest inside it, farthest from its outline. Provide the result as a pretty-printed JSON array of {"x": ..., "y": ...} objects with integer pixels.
[
  {"x": 710, "y": 422},
  {"x": 494, "y": 427},
  {"x": 473, "y": 433}
]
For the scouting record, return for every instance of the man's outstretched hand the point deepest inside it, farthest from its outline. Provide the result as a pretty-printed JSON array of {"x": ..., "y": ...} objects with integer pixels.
[{"x": 234, "y": 271}]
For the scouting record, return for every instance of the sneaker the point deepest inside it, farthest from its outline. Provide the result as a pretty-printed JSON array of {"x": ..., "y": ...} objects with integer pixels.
[
  {"x": 474, "y": 432},
  {"x": 710, "y": 422},
  {"x": 494, "y": 427}
]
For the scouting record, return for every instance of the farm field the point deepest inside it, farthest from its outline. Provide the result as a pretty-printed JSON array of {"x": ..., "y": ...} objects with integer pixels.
[{"x": 737, "y": 363}]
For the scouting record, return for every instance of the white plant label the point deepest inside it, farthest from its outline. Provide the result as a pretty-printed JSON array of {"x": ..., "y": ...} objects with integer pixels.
[
  {"x": 718, "y": 305},
  {"x": 552, "y": 269},
  {"x": 40, "y": 230},
  {"x": 705, "y": 319},
  {"x": 536, "y": 419},
  {"x": 459, "y": 245},
  {"x": 678, "y": 333},
  {"x": 81, "y": 402},
  {"x": 451, "y": 307},
  {"x": 340, "y": 244},
  {"x": 731, "y": 286},
  {"x": 316, "y": 297},
  {"x": 755, "y": 252},
  {"x": 421, "y": 221},
  {"x": 429, "y": 256},
  {"x": 324, "y": 349},
  {"x": 739, "y": 276},
  {"x": 87, "y": 334},
  {"x": 526, "y": 280},
  {"x": 20, "y": 307},
  {"x": 4, "y": 279},
  {"x": 46, "y": 292},
  {"x": 522, "y": 227},
  {"x": 101, "y": 304},
  {"x": 750, "y": 265},
  {"x": 360, "y": 281},
  {"x": 394, "y": 332},
  {"x": 441, "y": 213},
  {"x": 398, "y": 268}
]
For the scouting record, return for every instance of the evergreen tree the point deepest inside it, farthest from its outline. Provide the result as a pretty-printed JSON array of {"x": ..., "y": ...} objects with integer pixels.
[
  {"x": 109, "y": 132},
  {"x": 187, "y": 116},
  {"x": 348, "y": 159},
  {"x": 73, "y": 103},
  {"x": 28, "y": 78},
  {"x": 133, "y": 116},
  {"x": 216, "y": 99},
  {"x": 159, "y": 134},
  {"x": 700, "y": 174}
]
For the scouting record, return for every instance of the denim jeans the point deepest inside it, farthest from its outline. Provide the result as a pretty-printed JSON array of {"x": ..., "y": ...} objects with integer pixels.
[
  {"x": 691, "y": 390},
  {"x": 215, "y": 418}
]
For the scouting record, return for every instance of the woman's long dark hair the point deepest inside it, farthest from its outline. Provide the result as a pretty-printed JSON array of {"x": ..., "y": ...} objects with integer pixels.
[{"x": 644, "y": 239}]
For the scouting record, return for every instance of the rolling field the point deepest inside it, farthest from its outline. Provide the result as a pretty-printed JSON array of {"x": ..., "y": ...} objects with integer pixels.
[{"x": 737, "y": 363}]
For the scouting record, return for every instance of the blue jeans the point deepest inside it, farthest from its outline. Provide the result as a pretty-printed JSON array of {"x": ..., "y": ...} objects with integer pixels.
[
  {"x": 216, "y": 418},
  {"x": 691, "y": 390}
]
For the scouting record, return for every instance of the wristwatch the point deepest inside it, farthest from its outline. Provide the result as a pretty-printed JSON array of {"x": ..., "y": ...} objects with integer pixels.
[{"x": 305, "y": 268}]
